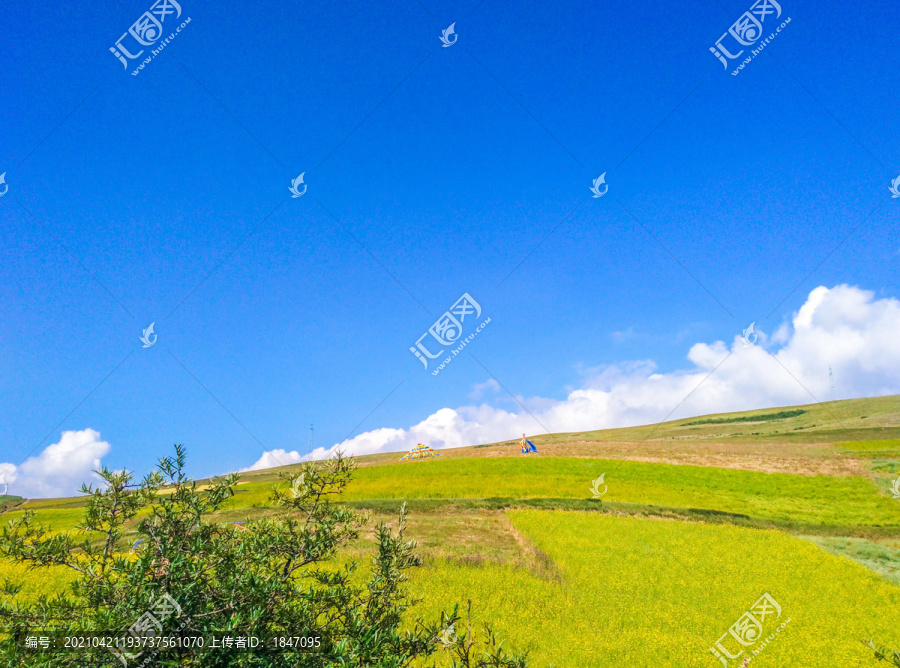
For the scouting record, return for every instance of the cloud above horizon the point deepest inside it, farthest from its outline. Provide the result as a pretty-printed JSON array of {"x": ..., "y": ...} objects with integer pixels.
[
  {"x": 843, "y": 327},
  {"x": 59, "y": 469}
]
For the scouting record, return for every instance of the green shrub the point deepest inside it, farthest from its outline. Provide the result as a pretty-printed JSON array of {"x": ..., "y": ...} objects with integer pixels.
[{"x": 190, "y": 579}]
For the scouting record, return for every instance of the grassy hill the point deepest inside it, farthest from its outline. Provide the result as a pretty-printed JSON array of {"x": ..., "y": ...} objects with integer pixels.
[
  {"x": 835, "y": 438},
  {"x": 701, "y": 517}
]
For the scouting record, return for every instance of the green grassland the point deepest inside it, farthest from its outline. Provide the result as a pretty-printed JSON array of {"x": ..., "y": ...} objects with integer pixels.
[
  {"x": 851, "y": 419},
  {"x": 882, "y": 557},
  {"x": 698, "y": 521},
  {"x": 759, "y": 417},
  {"x": 780, "y": 496}
]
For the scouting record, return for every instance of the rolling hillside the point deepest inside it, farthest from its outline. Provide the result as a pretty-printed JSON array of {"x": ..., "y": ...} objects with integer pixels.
[{"x": 698, "y": 518}]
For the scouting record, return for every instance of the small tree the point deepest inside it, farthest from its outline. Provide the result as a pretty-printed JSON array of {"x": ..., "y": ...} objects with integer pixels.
[
  {"x": 190, "y": 579},
  {"x": 464, "y": 646}
]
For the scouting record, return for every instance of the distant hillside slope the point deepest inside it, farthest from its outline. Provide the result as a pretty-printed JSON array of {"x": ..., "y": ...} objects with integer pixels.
[
  {"x": 832, "y": 438},
  {"x": 809, "y": 439}
]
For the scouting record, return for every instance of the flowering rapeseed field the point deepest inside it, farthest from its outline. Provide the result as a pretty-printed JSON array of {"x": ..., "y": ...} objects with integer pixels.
[
  {"x": 642, "y": 592},
  {"x": 624, "y": 591}
]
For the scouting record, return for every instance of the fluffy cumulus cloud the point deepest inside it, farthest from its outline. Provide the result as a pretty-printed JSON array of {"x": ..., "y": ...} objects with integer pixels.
[
  {"x": 844, "y": 327},
  {"x": 272, "y": 458},
  {"x": 59, "y": 469}
]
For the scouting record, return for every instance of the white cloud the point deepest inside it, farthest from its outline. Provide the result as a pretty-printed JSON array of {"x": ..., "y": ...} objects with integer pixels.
[
  {"x": 624, "y": 335},
  {"x": 60, "y": 468},
  {"x": 844, "y": 327},
  {"x": 272, "y": 458},
  {"x": 478, "y": 389}
]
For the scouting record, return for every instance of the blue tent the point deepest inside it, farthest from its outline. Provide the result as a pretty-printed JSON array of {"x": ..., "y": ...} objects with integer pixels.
[{"x": 527, "y": 446}]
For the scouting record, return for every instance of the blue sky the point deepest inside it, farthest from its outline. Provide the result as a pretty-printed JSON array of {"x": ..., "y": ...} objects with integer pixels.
[{"x": 431, "y": 172}]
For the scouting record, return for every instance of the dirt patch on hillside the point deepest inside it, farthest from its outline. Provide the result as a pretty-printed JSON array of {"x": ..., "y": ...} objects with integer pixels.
[
  {"x": 802, "y": 459},
  {"x": 839, "y": 467}
]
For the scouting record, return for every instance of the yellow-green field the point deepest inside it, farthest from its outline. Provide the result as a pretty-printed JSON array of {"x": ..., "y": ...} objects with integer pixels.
[
  {"x": 779, "y": 496},
  {"x": 641, "y": 592},
  {"x": 827, "y": 500},
  {"x": 699, "y": 520}
]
